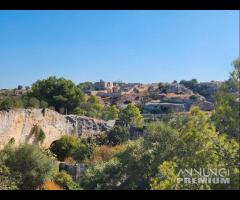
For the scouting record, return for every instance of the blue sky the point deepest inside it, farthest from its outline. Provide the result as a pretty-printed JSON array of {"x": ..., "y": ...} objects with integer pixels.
[{"x": 132, "y": 46}]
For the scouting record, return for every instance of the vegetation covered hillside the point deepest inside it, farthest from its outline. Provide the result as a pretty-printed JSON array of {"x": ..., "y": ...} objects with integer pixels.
[{"x": 193, "y": 148}]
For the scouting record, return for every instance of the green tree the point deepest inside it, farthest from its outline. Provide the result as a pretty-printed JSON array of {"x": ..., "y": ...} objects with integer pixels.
[
  {"x": 198, "y": 146},
  {"x": 131, "y": 116},
  {"x": 86, "y": 86},
  {"x": 110, "y": 113},
  {"x": 235, "y": 75},
  {"x": 19, "y": 87},
  {"x": 92, "y": 108},
  {"x": 227, "y": 105},
  {"x": 189, "y": 84},
  {"x": 58, "y": 92}
]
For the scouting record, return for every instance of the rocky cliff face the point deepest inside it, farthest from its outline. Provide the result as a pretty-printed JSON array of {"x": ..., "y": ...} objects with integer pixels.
[{"x": 19, "y": 124}]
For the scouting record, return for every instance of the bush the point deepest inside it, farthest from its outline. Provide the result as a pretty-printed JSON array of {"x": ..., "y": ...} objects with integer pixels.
[
  {"x": 33, "y": 103},
  {"x": 65, "y": 180},
  {"x": 43, "y": 104},
  {"x": 7, "y": 181},
  {"x": 11, "y": 102},
  {"x": 189, "y": 84},
  {"x": 105, "y": 153},
  {"x": 65, "y": 147},
  {"x": 34, "y": 166},
  {"x": 117, "y": 135},
  {"x": 41, "y": 136},
  {"x": 7, "y": 104},
  {"x": 71, "y": 146},
  {"x": 49, "y": 185},
  {"x": 85, "y": 150}
]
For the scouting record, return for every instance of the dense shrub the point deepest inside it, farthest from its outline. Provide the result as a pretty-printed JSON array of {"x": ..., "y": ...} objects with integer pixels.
[
  {"x": 65, "y": 147},
  {"x": 49, "y": 185},
  {"x": 6, "y": 103},
  {"x": 71, "y": 146},
  {"x": 116, "y": 136},
  {"x": 104, "y": 153},
  {"x": 7, "y": 180},
  {"x": 63, "y": 179},
  {"x": 30, "y": 164}
]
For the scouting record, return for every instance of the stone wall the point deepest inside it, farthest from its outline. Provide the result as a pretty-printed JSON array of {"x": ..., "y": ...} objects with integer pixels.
[{"x": 157, "y": 108}]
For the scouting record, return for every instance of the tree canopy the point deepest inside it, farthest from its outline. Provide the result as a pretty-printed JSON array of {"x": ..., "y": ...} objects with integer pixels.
[
  {"x": 131, "y": 115},
  {"x": 59, "y": 93}
]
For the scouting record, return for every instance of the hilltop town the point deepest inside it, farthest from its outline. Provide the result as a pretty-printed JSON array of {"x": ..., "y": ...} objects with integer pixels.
[{"x": 155, "y": 98}]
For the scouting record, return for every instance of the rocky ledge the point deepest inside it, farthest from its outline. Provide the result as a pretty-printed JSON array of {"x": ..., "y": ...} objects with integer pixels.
[{"x": 18, "y": 125}]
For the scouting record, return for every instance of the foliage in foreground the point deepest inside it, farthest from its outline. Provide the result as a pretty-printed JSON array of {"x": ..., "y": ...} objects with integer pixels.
[
  {"x": 152, "y": 162},
  {"x": 25, "y": 167},
  {"x": 226, "y": 115},
  {"x": 64, "y": 180}
]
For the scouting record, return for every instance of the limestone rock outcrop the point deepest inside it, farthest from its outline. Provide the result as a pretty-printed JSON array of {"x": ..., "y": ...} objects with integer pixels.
[
  {"x": 18, "y": 125},
  {"x": 176, "y": 88},
  {"x": 207, "y": 89}
]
